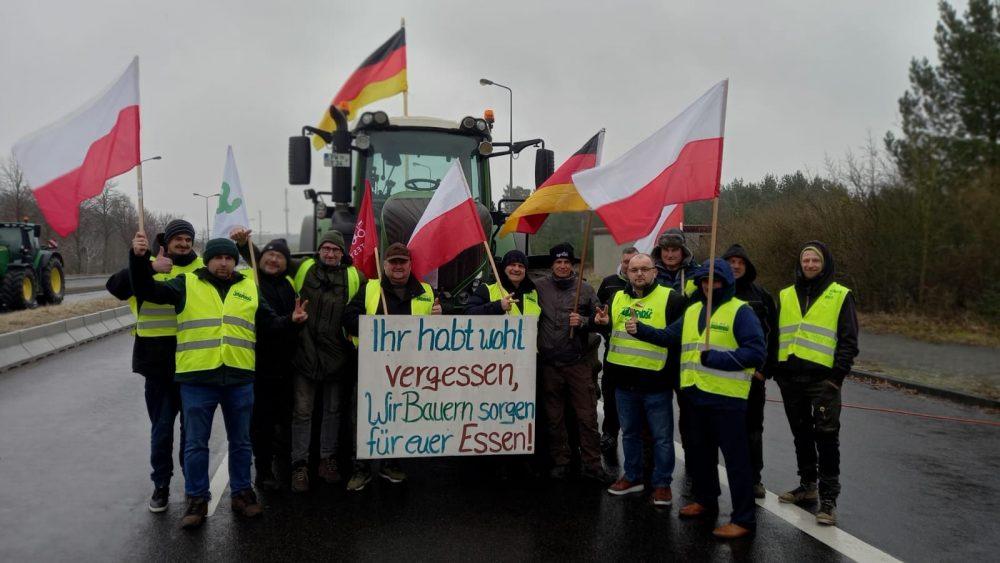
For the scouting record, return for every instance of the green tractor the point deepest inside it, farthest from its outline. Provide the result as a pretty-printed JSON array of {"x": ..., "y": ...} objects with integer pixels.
[{"x": 29, "y": 273}]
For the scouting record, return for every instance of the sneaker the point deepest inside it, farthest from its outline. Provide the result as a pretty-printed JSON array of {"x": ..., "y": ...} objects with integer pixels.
[
  {"x": 361, "y": 477},
  {"x": 827, "y": 514},
  {"x": 197, "y": 511},
  {"x": 300, "y": 479},
  {"x": 392, "y": 473},
  {"x": 328, "y": 470},
  {"x": 759, "y": 491},
  {"x": 623, "y": 487},
  {"x": 596, "y": 474},
  {"x": 609, "y": 450},
  {"x": 158, "y": 502},
  {"x": 662, "y": 496},
  {"x": 801, "y": 493},
  {"x": 245, "y": 503}
]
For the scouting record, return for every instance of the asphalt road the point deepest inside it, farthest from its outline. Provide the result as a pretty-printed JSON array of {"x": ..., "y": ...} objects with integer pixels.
[{"x": 74, "y": 483}]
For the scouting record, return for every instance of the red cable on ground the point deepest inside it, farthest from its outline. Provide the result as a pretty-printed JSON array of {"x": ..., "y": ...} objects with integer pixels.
[{"x": 916, "y": 414}]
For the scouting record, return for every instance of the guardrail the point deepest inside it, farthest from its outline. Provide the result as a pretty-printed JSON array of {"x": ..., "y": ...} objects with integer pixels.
[{"x": 30, "y": 344}]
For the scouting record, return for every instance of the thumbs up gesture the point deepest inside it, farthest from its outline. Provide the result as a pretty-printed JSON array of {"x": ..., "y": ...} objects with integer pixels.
[
  {"x": 163, "y": 264},
  {"x": 299, "y": 315},
  {"x": 632, "y": 324},
  {"x": 436, "y": 309},
  {"x": 601, "y": 317}
]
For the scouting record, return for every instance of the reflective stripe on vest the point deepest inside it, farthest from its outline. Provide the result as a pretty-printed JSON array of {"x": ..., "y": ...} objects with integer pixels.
[
  {"x": 693, "y": 373},
  {"x": 353, "y": 279},
  {"x": 814, "y": 337},
  {"x": 530, "y": 301},
  {"x": 212, "y": 332},
  {"x": 627, "y": 350},
  {"x": 153, "y": 319}
]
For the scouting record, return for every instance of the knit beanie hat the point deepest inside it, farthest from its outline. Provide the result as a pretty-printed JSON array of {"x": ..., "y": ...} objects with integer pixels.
[
  {"x": 334, "y": 237},
  {"x": 514, "y": 257},
  {"x": 220, "y": 247},
  {"x": 280, "y": 246},
  {"x": 812, "y": 249},
  {"x": 178, "y": 227}
]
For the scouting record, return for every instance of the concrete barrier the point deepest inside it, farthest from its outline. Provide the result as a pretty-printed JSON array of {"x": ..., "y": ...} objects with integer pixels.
[{"x": 30, "y": 344}]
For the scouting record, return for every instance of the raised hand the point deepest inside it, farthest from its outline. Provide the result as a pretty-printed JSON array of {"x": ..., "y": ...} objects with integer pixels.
[
  {"x": 436, "y": 309},
  {"x": 163, "y": 264},
  {"x": 140, "y": 245},
  {"x": 601, "y": 317},
  {"x": 240, "y": 235},
  {"x": 632, "y": 324},
  {"x": 299, "y": 315}
]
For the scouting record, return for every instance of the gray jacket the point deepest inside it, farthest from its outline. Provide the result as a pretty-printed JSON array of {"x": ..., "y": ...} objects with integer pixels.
[{"x": 555, "y": 296}]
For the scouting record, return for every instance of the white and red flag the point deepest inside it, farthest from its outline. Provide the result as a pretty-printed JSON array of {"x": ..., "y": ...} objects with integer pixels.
[
  {"x": 679, "y": 163},
  {"x": 69, "y": 161},
  {"x": 449, "y": 225},
  {"x": 672, "y": 217},
  {"x": 365, "y": 239}
]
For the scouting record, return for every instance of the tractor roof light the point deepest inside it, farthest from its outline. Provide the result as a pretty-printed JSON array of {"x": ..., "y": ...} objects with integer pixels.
[
  {"x": 469, "y": 123},
  {"x": 381, "y": 118},
  {"x": 482, "y": 126},
  {"x": 488, "y": 116},
  {"x": 367, "y": 118}
]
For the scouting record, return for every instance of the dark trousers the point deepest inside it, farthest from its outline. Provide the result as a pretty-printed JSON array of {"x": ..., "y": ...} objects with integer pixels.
[
  {"x": 575, "y": 381},
  {"x": 610, "y": 425},
  {"x": 270, "y": 431},
  {"x": 755, "y": 426},
  {"x": 684, "y": 429},
  {"x": 813, "y": 410},
  {"x": 713, "y": 428},
  {"x": 305, "y": 390},
  {"x": 163, "y": 404}
]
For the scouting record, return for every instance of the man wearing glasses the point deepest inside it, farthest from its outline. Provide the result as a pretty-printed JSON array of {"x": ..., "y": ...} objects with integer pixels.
[{"x": 642, "y": 372}]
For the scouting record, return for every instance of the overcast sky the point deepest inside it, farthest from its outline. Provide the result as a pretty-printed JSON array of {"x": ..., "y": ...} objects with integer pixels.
[{"x": 807, "y": 78}]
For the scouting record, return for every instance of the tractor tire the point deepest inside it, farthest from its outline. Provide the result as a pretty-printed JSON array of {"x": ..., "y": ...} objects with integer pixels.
[
  {"x": 19, "y": 289},
  {"x": 53, "y": 281}
]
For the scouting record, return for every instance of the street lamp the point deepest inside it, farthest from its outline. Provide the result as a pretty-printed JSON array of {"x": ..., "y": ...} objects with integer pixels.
[
  {"x": 151, "y": 158},
  {"x": 208, "y": 232},
  {"x": 488, "y": 82}
]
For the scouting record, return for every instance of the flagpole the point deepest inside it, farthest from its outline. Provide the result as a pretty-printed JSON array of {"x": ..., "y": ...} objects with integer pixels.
[
  {"x": 496, "y": 273},
  {"x": 583, "y": 262},
  {"x": 142, "y": 211},
  {"x": 711, "y": 271},
  {"x": 253, "y": 262},
  {"x": 406, "y": 100},
  {"x": 381, "y": 290}
]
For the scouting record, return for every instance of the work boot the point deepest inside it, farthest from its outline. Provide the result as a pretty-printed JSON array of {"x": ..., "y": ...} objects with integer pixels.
[
  {"x": 827, "y": 514},
  {"x": 662, "y": 496},
  {"x": 300, "y": 479},
  {"x": 804, "y": 492},
  {"x": 328, "y": 470},
  {"x": 266, "y": 480},
  {"x": 759, "y": 491},
  {"x": 696, "y": 510},
  {"x": 623, "y": 487},
  {"x": 609, "y": 450},
  {"x": 361, "y": 477},
  {"x": 731, "y": 531},
  {"x": 392, "y": 473},
  {"x": 245, "y": 503},
  {"x": 197, "y": 511},
  {"x": 158, "y": 502}
]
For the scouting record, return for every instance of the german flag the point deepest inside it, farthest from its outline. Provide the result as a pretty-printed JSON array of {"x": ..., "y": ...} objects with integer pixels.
[
  {"x": 383, "y": 74},
  {"x": 557, "y": 194}
]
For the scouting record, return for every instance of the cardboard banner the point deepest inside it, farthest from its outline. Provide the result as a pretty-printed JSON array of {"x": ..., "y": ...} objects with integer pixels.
[{"x": 446, "y": 385}]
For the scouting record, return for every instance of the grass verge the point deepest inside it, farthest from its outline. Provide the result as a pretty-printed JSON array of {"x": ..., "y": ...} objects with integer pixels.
[
  {"x": 17, "y": 320},
  {"x": 959, "y": 330}
]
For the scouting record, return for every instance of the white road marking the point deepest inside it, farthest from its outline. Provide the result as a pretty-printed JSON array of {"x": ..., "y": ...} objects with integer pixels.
[
  {"x": 219, "y": 482},
  {"x": 832, "y": 536}
]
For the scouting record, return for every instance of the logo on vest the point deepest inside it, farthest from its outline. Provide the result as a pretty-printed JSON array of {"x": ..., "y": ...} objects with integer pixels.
[
  {"x": 243, "y": 296},
  {"x": 720, "y": 326},
  {"x": 639, "y": 313}
]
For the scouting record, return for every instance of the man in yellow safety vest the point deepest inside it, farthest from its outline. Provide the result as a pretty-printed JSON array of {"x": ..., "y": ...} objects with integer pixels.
[
  {"x": 513, "y": 294},
  {"x": 717, "y": 383},
  {"x": 817, "y": 344}
]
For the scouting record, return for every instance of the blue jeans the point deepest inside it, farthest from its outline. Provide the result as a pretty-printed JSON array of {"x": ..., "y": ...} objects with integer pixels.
[
  {"x": 200, "y": 402},
  {"x": 657, "y": 410},
  {"x": 163, "y": 404}
]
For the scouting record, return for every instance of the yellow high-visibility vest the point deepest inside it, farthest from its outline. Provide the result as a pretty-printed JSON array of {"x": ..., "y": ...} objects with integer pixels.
[
  {"x": 813, "y": 337},
  {"x": 419, "y": 305},
  {"x": 693, "y": 373},
  {"x": 627, "y": 350},
  {"x": 212, "y": 332},
  {"x": 530, "y": 301},
  {"x": 153, "y": 319}
]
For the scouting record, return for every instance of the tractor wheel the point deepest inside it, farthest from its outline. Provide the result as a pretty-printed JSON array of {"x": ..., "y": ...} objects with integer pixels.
[
  {"x": 53, "y": 282},
  {"x": 18, "y": 290}
]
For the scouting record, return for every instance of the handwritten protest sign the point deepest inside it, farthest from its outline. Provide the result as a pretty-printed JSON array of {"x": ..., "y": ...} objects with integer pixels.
[{"x": 446, "y": 386}]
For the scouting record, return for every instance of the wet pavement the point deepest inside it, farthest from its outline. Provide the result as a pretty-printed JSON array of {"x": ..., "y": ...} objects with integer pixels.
[{"x": 74, "y": 483}]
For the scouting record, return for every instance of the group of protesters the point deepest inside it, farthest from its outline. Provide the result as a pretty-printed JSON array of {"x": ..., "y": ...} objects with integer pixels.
[{"x": 278, "y": 354}]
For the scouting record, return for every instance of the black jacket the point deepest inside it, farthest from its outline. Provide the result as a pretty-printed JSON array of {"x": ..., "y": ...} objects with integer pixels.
[
  {"x": 174, "y": 292},
  {"x": 747, "y": 289},
  {"x": 152, "y": 356},
  {"x": 481, "y": 304},
  {"x": 609, "y": 287},
  {"x": 847, "y": 327},
  {"x": 397, "y": 305}
]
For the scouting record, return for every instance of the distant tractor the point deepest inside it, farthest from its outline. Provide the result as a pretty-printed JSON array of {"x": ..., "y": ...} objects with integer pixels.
[{"x": 29, "y": 273}]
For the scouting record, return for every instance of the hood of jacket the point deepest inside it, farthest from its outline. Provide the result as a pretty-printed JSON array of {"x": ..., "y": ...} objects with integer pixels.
[
  {"x": 825, "y": 277},
  {"x": 750, "y": 275}
]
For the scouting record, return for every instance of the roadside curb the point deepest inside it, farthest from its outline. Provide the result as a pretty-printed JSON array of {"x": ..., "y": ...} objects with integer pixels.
[
  {"x": 30, "y": 344},
  {"x": 957, "y": 396}
]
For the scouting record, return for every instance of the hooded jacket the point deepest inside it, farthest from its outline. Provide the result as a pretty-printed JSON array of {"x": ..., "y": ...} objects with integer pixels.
[
  {"x": 808, "y": 291},
  {"x": 760, "y": 301},
  {"x": 672, "y": 279}
]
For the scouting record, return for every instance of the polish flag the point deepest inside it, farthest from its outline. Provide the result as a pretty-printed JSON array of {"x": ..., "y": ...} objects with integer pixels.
[
  {"x": 69, "y": 161},
  {"x": 679, "y": 163},
  {"x": 449, "y": 225},
  {"x": 365, "y": 239},
  {"x": 672, "y": 217}
]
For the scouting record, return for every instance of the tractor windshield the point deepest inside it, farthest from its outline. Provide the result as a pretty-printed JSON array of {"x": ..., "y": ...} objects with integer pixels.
[
  {"x": 11, "y": 238},
  {"x": 417, "y": 161}
]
